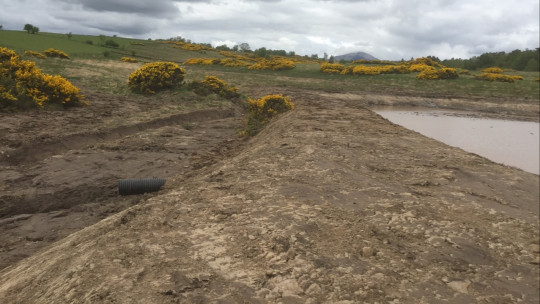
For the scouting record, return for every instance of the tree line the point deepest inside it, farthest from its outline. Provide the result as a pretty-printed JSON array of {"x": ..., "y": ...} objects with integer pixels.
[{"x": 528, "y": 60}]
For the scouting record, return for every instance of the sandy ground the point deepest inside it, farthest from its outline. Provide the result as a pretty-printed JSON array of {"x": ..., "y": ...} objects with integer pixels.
[{"x": 331, "y": 203}]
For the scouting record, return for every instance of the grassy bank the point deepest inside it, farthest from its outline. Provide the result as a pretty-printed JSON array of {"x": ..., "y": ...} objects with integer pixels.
[{"x": 100, "y": 68}]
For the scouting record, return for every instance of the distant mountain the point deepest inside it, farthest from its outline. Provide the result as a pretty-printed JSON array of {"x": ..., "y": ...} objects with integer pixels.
[{"x": 355, "y": 56}]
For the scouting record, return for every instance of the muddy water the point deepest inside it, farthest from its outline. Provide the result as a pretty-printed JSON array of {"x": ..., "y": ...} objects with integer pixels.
[{"x": 513, "y": 143}]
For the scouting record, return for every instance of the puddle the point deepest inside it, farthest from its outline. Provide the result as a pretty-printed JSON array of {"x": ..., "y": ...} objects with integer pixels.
[{"x": 513, "y": 143}]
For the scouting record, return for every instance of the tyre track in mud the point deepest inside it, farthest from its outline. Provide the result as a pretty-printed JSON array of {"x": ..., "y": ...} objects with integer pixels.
[
  {"x": 35, "y": 152},
  {"x": 51, "y": 189}
]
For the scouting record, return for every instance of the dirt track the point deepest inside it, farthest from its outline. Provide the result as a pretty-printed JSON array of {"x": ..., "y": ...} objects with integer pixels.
[{"x": 329, "y": 203}]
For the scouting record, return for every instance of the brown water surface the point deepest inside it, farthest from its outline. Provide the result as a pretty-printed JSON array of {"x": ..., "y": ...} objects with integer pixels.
[{"x": 513, "y": 143}]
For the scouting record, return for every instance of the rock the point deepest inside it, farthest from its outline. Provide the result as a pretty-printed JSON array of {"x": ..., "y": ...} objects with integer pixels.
[
  {"x": 263, "y": 292},
  {"x": 289, "y": 287},
  {"x": 368, "y": 252},
  {"x": 314, "y": 290},
  {"x": 459, "y": 286}
]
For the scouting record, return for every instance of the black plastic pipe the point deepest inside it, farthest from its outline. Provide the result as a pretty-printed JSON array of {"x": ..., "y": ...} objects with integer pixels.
[{"x": 139, "y": 186}]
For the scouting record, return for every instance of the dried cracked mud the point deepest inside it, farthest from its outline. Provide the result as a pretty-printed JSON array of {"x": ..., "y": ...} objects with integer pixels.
[{"x": 330, "y": 203}]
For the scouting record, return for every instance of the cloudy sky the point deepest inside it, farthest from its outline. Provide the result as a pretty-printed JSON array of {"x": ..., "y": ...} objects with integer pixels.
[{"x": 387, "y": 29}]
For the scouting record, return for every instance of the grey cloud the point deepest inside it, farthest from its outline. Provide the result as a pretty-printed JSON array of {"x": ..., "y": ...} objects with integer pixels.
[
  {"x": 131, "y": 29},
  {"x": 156, "y": 8},
  {"x": 388, "y": 29}
]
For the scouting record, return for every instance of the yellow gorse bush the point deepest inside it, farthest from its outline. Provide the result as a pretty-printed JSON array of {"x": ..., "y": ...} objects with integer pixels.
[
  {"x": 203, "y": 61},
  {"x": 366, "y": 70},
  {"x": 129, "y": 59},
  {"x": 156, "y": 76},
  {"x": 262, "y": 110},
  {"x": 34, "y": 54},
  {"x": 274, "y": 64},
  {"x": 495, "y": 77},
  {"x": 219, "y": 86},
  {"x": 420, "y": 67},
  {"x": 428, "y": 68},
  {"x": 270, "y": 105},
  {"x": 426, "y": 61},
  {"x": 191, "y": 46},
  {"x": 233, "y": 62},
  {"x": 331, "y": 68},
  {"x": 432, "y": 74},
  {"x": 212, "y": 84},
  {"x": 375, "y": 70},
  {"x": 235, "y": 56},
  {"x": 492, "y": 70},
  {"x": 56, "y": 53},
  {"x": 496, "y": 74},
  {"x": 22, "y": 82}
]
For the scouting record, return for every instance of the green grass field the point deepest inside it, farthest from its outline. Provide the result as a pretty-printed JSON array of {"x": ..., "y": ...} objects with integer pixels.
[
  {"x": 308, "y": 76},
  {"x": 100, "y": 68}
]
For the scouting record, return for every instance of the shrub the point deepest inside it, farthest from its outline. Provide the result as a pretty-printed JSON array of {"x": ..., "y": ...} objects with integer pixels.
[
  {"x": 35, "y": 54},
  {"x": 264, "y": 109},
  {"x": 233, "y": 62},
  {"x": 203, "y": 61},
  {"x": 237, "y": 56},
  {"x": 495, "y": 77},
  {"x": 111, "y": 43},
  {"x": 348, "y": 70},
  {"x": 426, "y": 61},
  {"x": 448, "y": 73},
  {"x": 394, "y": 69},
  {"x": 129, "y": 59},
  {"x": 375, "y": 70},
  {"x": 331, "y": 68},
  {"x": 444, "y": 73},
  {"x": 365, "y": 70},
  {"x": 420, "y": 67},
  {"x": 21, "y": 83},
  {"x": 56, "y": 53},
  {"x": 89, "y": 42},
  {"x": 156, "y": 76},
  {"x": 191, "y": 46},
  {"x": 492, "y": 70},
  {"x": 274, "y": 64},
  {"x": 212, "y": 84},
  {"x": 229, "y": 62}
]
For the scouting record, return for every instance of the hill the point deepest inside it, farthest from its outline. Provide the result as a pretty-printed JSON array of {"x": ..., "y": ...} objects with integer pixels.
[
  {"x": 87, "y": 46},
  {"x": 355, "y": 56}
]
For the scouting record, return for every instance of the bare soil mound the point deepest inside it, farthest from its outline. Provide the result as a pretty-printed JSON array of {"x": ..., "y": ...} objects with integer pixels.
[{"x": 329, "y": 204}]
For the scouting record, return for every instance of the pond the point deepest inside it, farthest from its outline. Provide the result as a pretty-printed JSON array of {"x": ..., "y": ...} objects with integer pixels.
[{"x": 513, "y": 143}]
